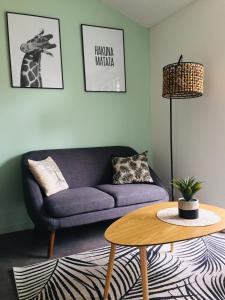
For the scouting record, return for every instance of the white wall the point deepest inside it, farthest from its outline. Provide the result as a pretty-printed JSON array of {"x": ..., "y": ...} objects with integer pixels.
[{"x": 197, "y": 32}]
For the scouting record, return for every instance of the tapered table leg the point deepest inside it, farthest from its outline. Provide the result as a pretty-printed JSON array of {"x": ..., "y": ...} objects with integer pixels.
[
  {"x": 144, "y": 271},
  {"x": 109, "y": 271},
  {"x": 171, "y": 247}
]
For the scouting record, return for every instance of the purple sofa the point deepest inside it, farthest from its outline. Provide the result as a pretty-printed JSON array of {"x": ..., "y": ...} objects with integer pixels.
[{"x": 91, "y": 196}]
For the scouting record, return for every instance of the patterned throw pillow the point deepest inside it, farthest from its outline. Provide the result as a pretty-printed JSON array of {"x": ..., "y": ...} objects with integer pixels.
[
  {"x": 48, "y": 175},
  {"x": 131, "y": 169}
]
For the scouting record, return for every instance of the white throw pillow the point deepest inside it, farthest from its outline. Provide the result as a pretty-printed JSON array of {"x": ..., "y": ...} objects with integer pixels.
[{"x": 48, "y": 175}]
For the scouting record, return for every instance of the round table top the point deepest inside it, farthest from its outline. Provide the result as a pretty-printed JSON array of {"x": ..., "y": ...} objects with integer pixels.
[{"x": 142, "y": 227}]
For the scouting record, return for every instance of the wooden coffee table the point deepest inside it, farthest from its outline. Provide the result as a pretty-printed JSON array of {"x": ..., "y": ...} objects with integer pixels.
[{"x": 142, "y": 228}]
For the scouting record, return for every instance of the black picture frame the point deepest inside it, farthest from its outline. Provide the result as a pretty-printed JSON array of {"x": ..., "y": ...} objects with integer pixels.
[
  {"x": 44, "y": 37},
  {"x": 122, "y": 65}
]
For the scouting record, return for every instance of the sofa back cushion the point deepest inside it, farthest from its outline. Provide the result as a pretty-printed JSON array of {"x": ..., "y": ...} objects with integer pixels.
[{"x": 82, "y": 166}]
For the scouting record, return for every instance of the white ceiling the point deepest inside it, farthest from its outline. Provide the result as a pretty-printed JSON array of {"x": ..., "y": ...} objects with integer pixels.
[{"x": 148, "y": 12}]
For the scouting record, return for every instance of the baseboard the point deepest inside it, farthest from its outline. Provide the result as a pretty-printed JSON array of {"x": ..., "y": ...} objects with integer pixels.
[{"x": 15, "y": 227}]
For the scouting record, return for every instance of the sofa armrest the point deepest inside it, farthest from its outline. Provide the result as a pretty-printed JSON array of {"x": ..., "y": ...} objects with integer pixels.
[
  {"x": 34, "y": 201},
  {"x": 156, "y": 179}
]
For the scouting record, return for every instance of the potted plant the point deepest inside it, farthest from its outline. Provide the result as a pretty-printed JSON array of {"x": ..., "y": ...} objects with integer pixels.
[{"x": 188, "y": 206}]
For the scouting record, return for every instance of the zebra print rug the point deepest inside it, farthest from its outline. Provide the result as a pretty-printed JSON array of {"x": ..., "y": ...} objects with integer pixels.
[{"x": 195, "y": 271}]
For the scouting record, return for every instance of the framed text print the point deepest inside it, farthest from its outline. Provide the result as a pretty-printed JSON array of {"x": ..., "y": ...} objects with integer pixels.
[
  {"x": 35, "y": 51},
  {"x": 104, "y": 59}
]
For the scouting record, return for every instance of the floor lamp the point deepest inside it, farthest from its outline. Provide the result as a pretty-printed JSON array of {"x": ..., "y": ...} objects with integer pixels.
[{"x": 181, "y": 80}]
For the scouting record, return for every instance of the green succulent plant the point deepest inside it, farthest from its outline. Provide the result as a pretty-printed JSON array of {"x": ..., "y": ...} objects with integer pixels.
[{"x": 187, "y": 187}]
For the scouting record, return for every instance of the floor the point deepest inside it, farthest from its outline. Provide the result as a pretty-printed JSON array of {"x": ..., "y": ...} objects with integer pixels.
[{"x": 29, "y": 247}]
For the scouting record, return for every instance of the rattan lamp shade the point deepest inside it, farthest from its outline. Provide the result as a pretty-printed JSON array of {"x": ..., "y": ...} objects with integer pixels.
[{"x": 183, "y": 80}]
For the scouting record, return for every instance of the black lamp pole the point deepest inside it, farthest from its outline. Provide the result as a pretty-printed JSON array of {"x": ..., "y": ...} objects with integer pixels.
[
  {"x": 171, "y": 148},
  {"x": 171, "y": 137}
]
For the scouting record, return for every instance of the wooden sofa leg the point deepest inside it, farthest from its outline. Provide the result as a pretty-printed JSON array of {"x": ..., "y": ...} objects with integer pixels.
[{"x": 51, "y": 244}]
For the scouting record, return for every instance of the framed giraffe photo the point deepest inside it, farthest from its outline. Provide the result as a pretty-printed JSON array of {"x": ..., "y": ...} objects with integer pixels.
[
  {"x": 34, "y": 51},
  {"x": 103, "y": 59}
]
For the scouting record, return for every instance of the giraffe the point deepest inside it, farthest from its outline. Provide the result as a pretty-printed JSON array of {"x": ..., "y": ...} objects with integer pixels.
[{"x": 30, "y": 75}]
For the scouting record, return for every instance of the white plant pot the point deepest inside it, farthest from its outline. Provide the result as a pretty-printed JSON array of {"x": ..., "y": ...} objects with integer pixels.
[{"x": 188, "y": 209}]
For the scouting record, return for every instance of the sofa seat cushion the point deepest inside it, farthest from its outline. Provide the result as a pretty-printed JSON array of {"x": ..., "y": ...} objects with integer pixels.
[
  {"x": 77, "y": 201},
  {"x": 129, "y": 194}
]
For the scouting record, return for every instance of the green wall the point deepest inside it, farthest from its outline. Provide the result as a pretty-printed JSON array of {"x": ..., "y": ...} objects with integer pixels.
[{"x": 36, "y": 119}]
